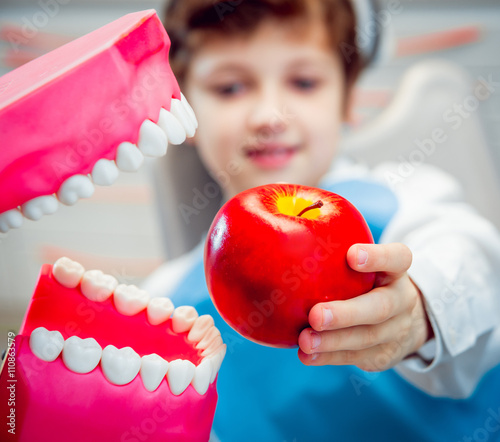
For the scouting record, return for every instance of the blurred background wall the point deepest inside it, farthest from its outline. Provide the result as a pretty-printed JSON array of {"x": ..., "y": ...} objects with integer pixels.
[{"x": 118, "y": 230}]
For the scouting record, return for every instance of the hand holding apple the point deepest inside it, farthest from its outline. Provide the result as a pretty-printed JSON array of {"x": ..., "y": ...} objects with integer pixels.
[
  {"x": 376, "y": 330},
  {"x": 275, "y": 251}
]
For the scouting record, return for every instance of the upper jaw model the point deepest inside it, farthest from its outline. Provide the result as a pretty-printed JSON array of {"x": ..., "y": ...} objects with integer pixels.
[
  {"x": 98, "y": 360},
  {"x": 85, "y": 111}
]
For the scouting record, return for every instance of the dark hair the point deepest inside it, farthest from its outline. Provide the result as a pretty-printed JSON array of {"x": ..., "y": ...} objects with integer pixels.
[{"x": 188, "y": 22}]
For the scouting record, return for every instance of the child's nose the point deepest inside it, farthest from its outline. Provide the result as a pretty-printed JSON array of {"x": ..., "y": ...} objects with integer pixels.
[{"x": 267, "y": 113}]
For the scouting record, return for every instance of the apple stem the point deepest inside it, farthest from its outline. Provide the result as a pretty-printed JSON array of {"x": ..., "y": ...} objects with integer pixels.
[{"x": 315, "y": 205}]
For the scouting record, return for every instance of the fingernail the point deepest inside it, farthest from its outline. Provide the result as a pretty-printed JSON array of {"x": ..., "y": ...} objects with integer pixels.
[
  {"x": 327, "y": 317},
  {"x": 362, "y": 257},
  {"x": 315, "y": 340}
]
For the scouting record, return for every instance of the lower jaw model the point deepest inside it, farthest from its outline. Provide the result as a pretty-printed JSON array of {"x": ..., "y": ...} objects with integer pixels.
[
  {"x": 95, "y": 360},
  {"x": 98, "y": 360}
]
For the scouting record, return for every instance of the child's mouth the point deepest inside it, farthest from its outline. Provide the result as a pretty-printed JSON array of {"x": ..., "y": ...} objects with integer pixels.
[{"x": 271, "y": 156}]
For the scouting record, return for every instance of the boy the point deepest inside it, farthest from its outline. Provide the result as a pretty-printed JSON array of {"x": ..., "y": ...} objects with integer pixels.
[{"x": 270, "y": 85}]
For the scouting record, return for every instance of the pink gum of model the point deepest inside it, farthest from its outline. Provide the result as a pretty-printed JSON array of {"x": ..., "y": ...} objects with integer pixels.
[{"x": 63, "y": 112}]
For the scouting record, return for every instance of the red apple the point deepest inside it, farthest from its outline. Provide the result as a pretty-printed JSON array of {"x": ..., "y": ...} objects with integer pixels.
[{"x": 275, "y": 251}]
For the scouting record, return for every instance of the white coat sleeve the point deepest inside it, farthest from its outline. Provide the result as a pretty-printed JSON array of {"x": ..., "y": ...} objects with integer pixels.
[{"x": 456, "y": 265}]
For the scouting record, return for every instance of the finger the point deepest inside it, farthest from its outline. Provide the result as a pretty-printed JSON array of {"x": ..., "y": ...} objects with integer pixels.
[
  {"x": 393, "y": 259},
  {"x": 353, "y": 338},
  {"x": 374, "y": 307},
  {"x": 379, "y": 358}
]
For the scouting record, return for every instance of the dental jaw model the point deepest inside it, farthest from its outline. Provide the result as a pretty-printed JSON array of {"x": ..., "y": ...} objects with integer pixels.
[
  {"x": 82, "y": 113},
  {"x": 98, "y": 360}
]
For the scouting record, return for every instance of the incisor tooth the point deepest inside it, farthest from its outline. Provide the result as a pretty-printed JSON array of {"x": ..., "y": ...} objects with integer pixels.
[
  {"x": 67, "y": 272},
  {"x": 81, "y": 355},
  {"x": 180, "y": 374},
  {"x": 97, "y": 286},
  {"x": 105, "y": 172},
  {"x": 75, "y": 188},
  {"x": 178, "y": 110},
  {"x": 12, "y": 219},
  {"x": 159, "y": 310},
  {"x": 152, "y": 140},
  {"x": 183, "y": 318},
  {"x": 153, "y": 370},
  {"x": 129, "y": 299},
  {"x": 46, "y": 345},
  {"x": 202, "y": 376},
  {"x": 37, "y": 207},
  {"x": 128, "y": 157},
  {"x": 120, "y": 366},
  {"x": 176, "y": 134}
]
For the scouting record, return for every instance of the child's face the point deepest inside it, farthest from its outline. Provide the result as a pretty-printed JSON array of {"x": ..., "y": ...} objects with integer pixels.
[{"x": 269, "y": 106}]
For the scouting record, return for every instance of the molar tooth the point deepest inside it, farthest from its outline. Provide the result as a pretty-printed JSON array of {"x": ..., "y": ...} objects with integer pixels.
[
  {"x": 152, "y": 140},
  {"x": 120, "y": 366},
  {"x": 37, "y": 207},
  {"x": 46, "y": 345},
  {"x": 213, "y": 346},
  {"x": 202, "y": 376},
  {"x": 75, "y": 188},
  {"x": 176, "y": 134},
  {"x": 212, "y": 333},
  {"x": 159, "y": 310},
  {"x": 97, "y": 286},
  {"x": 180, "y": 374},
  {"x": 129, "y": 299},
  {"x": 200, "y": 327},
  {"x": 12, "y": 219},
  {"x": 128, "y": 157},
  {"x": 67, "y": 272},
  {"x": 104, "y": 172},
  {"x": 178, "y": 110},
  {"x": 189, "y": 110},
  {"x": 81, "y": 355},
  {"x": 183, "y": 318},
  {"x": 153, "y": 370}
]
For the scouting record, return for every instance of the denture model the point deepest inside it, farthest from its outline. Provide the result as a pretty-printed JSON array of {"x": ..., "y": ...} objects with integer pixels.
[
  {"x": 78, "y": 115},
  {"x": 100, "y": 361}
]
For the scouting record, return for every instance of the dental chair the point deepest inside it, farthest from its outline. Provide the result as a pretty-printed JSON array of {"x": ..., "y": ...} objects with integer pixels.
[{"x": 434, "y": 118}]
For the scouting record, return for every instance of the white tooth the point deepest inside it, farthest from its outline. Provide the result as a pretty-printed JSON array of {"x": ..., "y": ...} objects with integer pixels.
[
  {"x": 81, "y": 355},
  {"x": 46, "y": 345},
  {"x": 212, "y": 347},
  {"x": 105, "y": 172},
  {"x": 153, "y": 370},
  {"x": 180, "y": 374},
  {"x": 202, "y": 376},
  {"x": 97, "y": 286},
  {"x": 37, "y": 207},
  {"x": 128, "y": 157},
  {"x": 172, "y": 127},
  {"x": 216, "y": 361},
  {"x": 159, "y": 310},
  {"x": 189, "y": 110},
  {"x": 129, "y": 299},
  {"x": 200, "y": 328},
  {"x": 178, "y": 110},
  {"x": 12, "y": 219},
  {"x": 75, "y": 188},
  {"x": 210, "y": 335},
  {"x": 120, "y": 366},
  {"x": 67, "y": 272},
  {"x": 152, "y": 140},
  {"x": 183, "y": 318}
]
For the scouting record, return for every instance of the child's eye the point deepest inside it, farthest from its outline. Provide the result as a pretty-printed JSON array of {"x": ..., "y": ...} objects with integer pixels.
[
  {"x": 229, "y": 89},
  {"x": 305, "y": 84}
]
